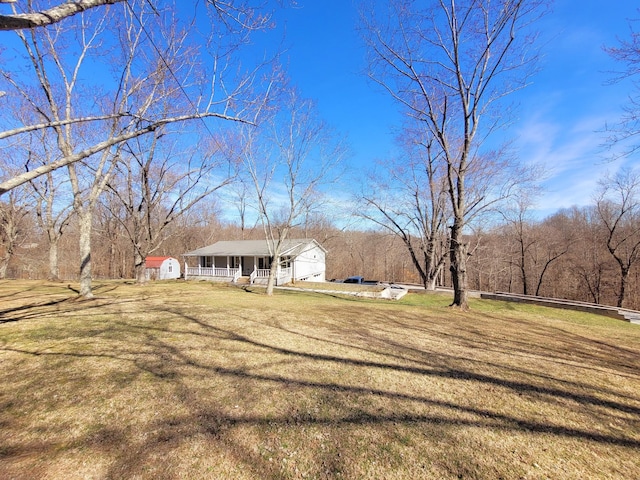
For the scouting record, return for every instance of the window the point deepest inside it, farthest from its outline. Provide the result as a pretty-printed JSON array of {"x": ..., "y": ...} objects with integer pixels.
[{"x": 206, "y": 262}]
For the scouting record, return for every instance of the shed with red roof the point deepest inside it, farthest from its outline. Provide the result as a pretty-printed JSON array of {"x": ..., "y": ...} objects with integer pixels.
[{"x": 161, "y": 268}]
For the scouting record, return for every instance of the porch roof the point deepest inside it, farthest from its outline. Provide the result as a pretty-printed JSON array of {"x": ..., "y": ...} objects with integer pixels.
[{"x": 258, "y": 248}]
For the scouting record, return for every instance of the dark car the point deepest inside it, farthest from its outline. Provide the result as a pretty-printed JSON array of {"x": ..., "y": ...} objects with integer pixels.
[{"x": 354, "y": 279}]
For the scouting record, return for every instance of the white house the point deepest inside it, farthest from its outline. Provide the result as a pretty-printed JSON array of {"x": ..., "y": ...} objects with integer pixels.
[
  {"x": 161, "y": 268},
  {"x": 228, "y": 261}
]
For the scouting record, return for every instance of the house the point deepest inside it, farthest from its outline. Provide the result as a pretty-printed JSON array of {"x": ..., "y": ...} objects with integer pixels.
[
  {"x": 229, "y": 261},
  {"x": 161, "y": 268}
]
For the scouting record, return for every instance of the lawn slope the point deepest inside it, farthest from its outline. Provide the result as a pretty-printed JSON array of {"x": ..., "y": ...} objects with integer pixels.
[{"x": 193, "y": 380}]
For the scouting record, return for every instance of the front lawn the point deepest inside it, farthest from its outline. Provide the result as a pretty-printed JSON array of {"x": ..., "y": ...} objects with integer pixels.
[{"x": 201, "y": 381}]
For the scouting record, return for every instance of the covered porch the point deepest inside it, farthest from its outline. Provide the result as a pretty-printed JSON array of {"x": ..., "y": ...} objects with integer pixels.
[{"x": 250, "y": 269}]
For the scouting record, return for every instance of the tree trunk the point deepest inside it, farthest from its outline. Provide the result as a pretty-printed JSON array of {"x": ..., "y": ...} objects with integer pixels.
[
  {"x": 85, "y": 253},
  {"x": 624, "y": 275},
  {"x": 138, "y": 262},
  {"x": 458, "y": 254},
  {"x": 273, "y": 271},
  {"x": 523, "y": 269},
  {"x": 4, "y": 263},
  {"x": 54, "y": 270}
]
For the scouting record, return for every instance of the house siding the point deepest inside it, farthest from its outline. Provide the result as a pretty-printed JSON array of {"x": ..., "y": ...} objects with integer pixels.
[
  {"x": 302, "y": 260},
  {"x": 310, "y": 264}
]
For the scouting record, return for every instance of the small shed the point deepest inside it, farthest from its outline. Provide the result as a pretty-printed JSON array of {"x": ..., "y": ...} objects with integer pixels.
[{"x": 161, "y": 268}]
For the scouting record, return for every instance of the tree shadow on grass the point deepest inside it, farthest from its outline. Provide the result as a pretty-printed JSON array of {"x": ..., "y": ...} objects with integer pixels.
[
  {"x": 151, "y": 351},
  {"x": 442, "y": 372},
  {"x": 203, "y": 421}
]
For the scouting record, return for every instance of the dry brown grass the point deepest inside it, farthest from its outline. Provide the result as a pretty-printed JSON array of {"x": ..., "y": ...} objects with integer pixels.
[{"x": 193, "y": 380}]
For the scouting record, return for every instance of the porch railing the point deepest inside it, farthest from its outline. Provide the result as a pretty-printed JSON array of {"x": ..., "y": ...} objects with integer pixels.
[
  {"x": 258, "y": 273},
  {"x": 284, "y": 276},
  {"x": 212, "y": 272}
]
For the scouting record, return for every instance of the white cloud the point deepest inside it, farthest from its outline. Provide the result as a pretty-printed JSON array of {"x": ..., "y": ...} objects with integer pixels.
[{"x": 572, "y": 155}]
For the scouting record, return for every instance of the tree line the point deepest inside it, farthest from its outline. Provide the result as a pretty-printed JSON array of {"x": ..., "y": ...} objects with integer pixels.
[
  {"x": 129, "y": 130},
  {"x": 566, "y": 255}
]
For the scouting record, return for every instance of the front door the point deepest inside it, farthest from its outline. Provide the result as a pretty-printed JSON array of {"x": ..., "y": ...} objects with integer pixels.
[{"x": 247, "y": 265}]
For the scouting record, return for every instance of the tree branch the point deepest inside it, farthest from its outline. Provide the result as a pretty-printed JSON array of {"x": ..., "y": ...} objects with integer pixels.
[
  {"x": 55, "y": 14},
  {"x": 99, "y": 147}
]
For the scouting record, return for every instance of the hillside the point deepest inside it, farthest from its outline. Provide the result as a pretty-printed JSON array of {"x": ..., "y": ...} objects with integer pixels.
[{"x": 193, "y": 380}]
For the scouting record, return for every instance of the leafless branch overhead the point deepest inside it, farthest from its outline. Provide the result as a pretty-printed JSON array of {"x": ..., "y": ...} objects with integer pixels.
[{"x": 55, "y": 14}]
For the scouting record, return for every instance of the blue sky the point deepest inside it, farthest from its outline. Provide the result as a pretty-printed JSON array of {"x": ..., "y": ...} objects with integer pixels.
[{"x": 560, "y": 116}]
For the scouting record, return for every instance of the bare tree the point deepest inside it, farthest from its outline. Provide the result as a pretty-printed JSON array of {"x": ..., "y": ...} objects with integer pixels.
[
  {"x": 288, "y": 167},
  {"x": 627, "y": 130},
  {"x": 589, "y": 261},
  {"x": 618, "y": 206},
  {"x": 448, "y": 63},
  {"x": 537, "y": 244},
  {"x": 15, "y": 209},
  {"x": 52, "y": 215},
  {"x": 560, "y": 239},
  {"x": 157, "y": 185},
  {"x": 521, "y": 228},
  {"x": 110, "y": 249},
  {"x": 236, "y": 12},
  {"x": 407, "y": 197},
  {"x": 151, "y": 87},
  {"x": 228, "y": 96},
  {"x": 241, "y": 195},
  {"x": 52, "y": 201},
  {"x": 55, "y": 14}
]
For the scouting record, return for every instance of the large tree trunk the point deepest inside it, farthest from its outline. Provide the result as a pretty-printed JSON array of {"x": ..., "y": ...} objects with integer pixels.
[
  {"x": 54, "y": 269},
  {"x": 139, "y": 266},
  {"x": 85, "y": 253},
  {"x": 458, "y": 254},
  {"x": 624, "y": 275},
  {"x": 434, "y": 267},
  {"x": 6, "y": 258}
]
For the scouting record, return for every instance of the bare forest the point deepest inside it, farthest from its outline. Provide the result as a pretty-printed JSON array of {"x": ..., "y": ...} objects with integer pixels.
[
  {"x": 186, "y": 140},
  {"x": 562, "y": 256}
]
